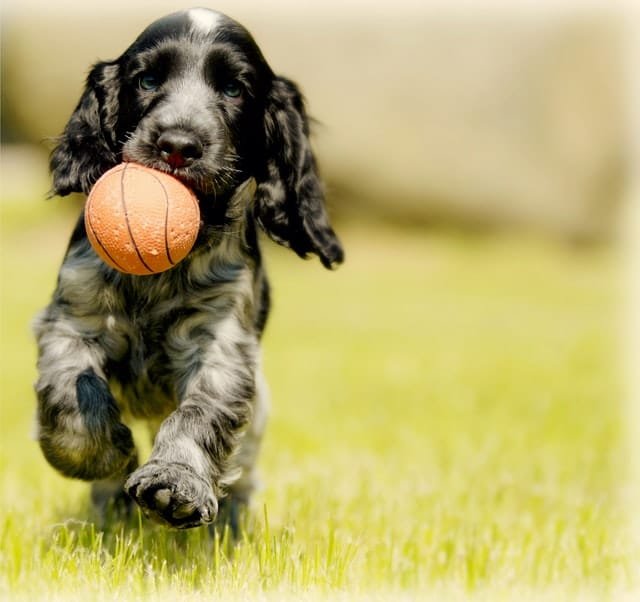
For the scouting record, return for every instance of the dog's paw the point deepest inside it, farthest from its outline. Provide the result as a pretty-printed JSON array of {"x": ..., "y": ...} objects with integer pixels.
[
  {"x": 172, "y": 494},
  {"x": 80, "y": 432},
  {"x": 82, "y": 454}
]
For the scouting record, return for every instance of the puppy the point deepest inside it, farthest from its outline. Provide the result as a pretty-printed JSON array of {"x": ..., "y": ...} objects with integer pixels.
[{"x": 194, "y": 97}]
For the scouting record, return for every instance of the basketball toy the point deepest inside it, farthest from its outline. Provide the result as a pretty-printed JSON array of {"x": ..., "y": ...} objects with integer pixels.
[{"x": 141, "y": 221}]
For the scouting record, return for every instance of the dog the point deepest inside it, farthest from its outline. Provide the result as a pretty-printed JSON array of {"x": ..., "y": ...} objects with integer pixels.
[{"x": 194, "y": 97}]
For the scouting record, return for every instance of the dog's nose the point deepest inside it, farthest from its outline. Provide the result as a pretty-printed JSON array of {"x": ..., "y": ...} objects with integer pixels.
[{"x": 179, "y": 148}]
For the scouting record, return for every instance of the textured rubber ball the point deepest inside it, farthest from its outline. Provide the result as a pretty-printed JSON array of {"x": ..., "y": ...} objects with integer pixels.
[{"x": 141, "y": 221}]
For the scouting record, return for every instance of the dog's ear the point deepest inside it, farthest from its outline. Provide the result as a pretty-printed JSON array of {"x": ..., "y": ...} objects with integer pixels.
[
  {"x": 289, "y": 201},
  {"x": 87, "y": 147}
]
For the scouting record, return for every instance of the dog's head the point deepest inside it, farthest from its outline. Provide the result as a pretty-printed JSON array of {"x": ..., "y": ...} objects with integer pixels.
[{"x": 193, "y": 96}]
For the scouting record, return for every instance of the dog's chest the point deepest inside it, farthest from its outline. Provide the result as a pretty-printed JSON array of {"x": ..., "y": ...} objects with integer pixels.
[
  {"x": 157, "y": 335},
  {"x": 139, "y": 363}
]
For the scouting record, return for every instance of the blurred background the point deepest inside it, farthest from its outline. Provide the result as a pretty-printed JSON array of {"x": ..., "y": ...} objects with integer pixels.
[{"x": 429, "y": 112}]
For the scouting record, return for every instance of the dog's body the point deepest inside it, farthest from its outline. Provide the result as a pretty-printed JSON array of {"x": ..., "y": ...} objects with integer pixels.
[{"x": 192, "y": 96}]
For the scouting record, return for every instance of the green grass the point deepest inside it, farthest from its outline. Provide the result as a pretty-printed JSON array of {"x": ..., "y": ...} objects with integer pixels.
[{"x": 446, "y": 423}]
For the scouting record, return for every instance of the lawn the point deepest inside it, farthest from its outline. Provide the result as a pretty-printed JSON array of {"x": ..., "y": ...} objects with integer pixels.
[{"x": 446, "y": 424}]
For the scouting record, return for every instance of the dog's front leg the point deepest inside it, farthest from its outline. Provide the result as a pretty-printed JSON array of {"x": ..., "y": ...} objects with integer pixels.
[
  {"x": 79, "y": 426},
  {"x": 180, "y": 484}
]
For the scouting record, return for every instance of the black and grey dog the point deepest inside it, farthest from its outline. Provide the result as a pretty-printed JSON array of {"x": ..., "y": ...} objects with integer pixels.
[{"x": 192, "y": 96}]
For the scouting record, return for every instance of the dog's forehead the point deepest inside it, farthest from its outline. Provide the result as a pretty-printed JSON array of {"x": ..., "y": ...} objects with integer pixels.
[
  {"x": 205, "y": 20},
  {"x": 191, "y": 31},
  {"x": 193, "y": 22}
]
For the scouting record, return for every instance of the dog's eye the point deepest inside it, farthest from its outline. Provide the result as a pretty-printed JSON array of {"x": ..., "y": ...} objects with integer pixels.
[
  {"x": 232, "y": 89},
  {"x": 149, "y": 81}
]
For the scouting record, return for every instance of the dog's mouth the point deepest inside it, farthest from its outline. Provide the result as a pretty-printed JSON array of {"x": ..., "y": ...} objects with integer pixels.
[
  {"x": 205, "y": 171},
  {"x": 204, "y": 181}
]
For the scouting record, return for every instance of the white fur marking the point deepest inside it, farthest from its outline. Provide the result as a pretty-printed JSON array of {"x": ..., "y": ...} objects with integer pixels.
[{"x": 204, "y": 20}]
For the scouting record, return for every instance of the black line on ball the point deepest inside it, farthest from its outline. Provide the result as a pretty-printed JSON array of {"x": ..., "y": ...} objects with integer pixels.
[
  {"x": 166, "y": 218},
  {"x": 97, "y": 238},
  {"x": 126, "y": 219},
  {"x": 166, "y": 229}
]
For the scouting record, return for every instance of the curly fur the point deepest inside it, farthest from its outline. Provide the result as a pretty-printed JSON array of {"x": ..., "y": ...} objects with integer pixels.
[{"x": 180, "y": 348}]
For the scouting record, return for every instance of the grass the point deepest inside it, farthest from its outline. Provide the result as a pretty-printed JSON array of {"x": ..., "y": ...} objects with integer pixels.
[{"x": 446, "y": 423}]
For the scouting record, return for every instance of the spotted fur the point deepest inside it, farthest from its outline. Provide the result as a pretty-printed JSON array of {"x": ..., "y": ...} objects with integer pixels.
[{"x": 180, "y": 348}]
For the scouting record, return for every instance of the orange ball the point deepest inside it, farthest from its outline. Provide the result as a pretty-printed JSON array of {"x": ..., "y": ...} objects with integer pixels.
[{"x": 141, "y": 221}]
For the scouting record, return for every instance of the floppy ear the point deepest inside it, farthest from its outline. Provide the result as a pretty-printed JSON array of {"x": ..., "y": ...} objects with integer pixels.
[
  {"x": 289, "y": 201},
  {"x": 87, "y": 147}
]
